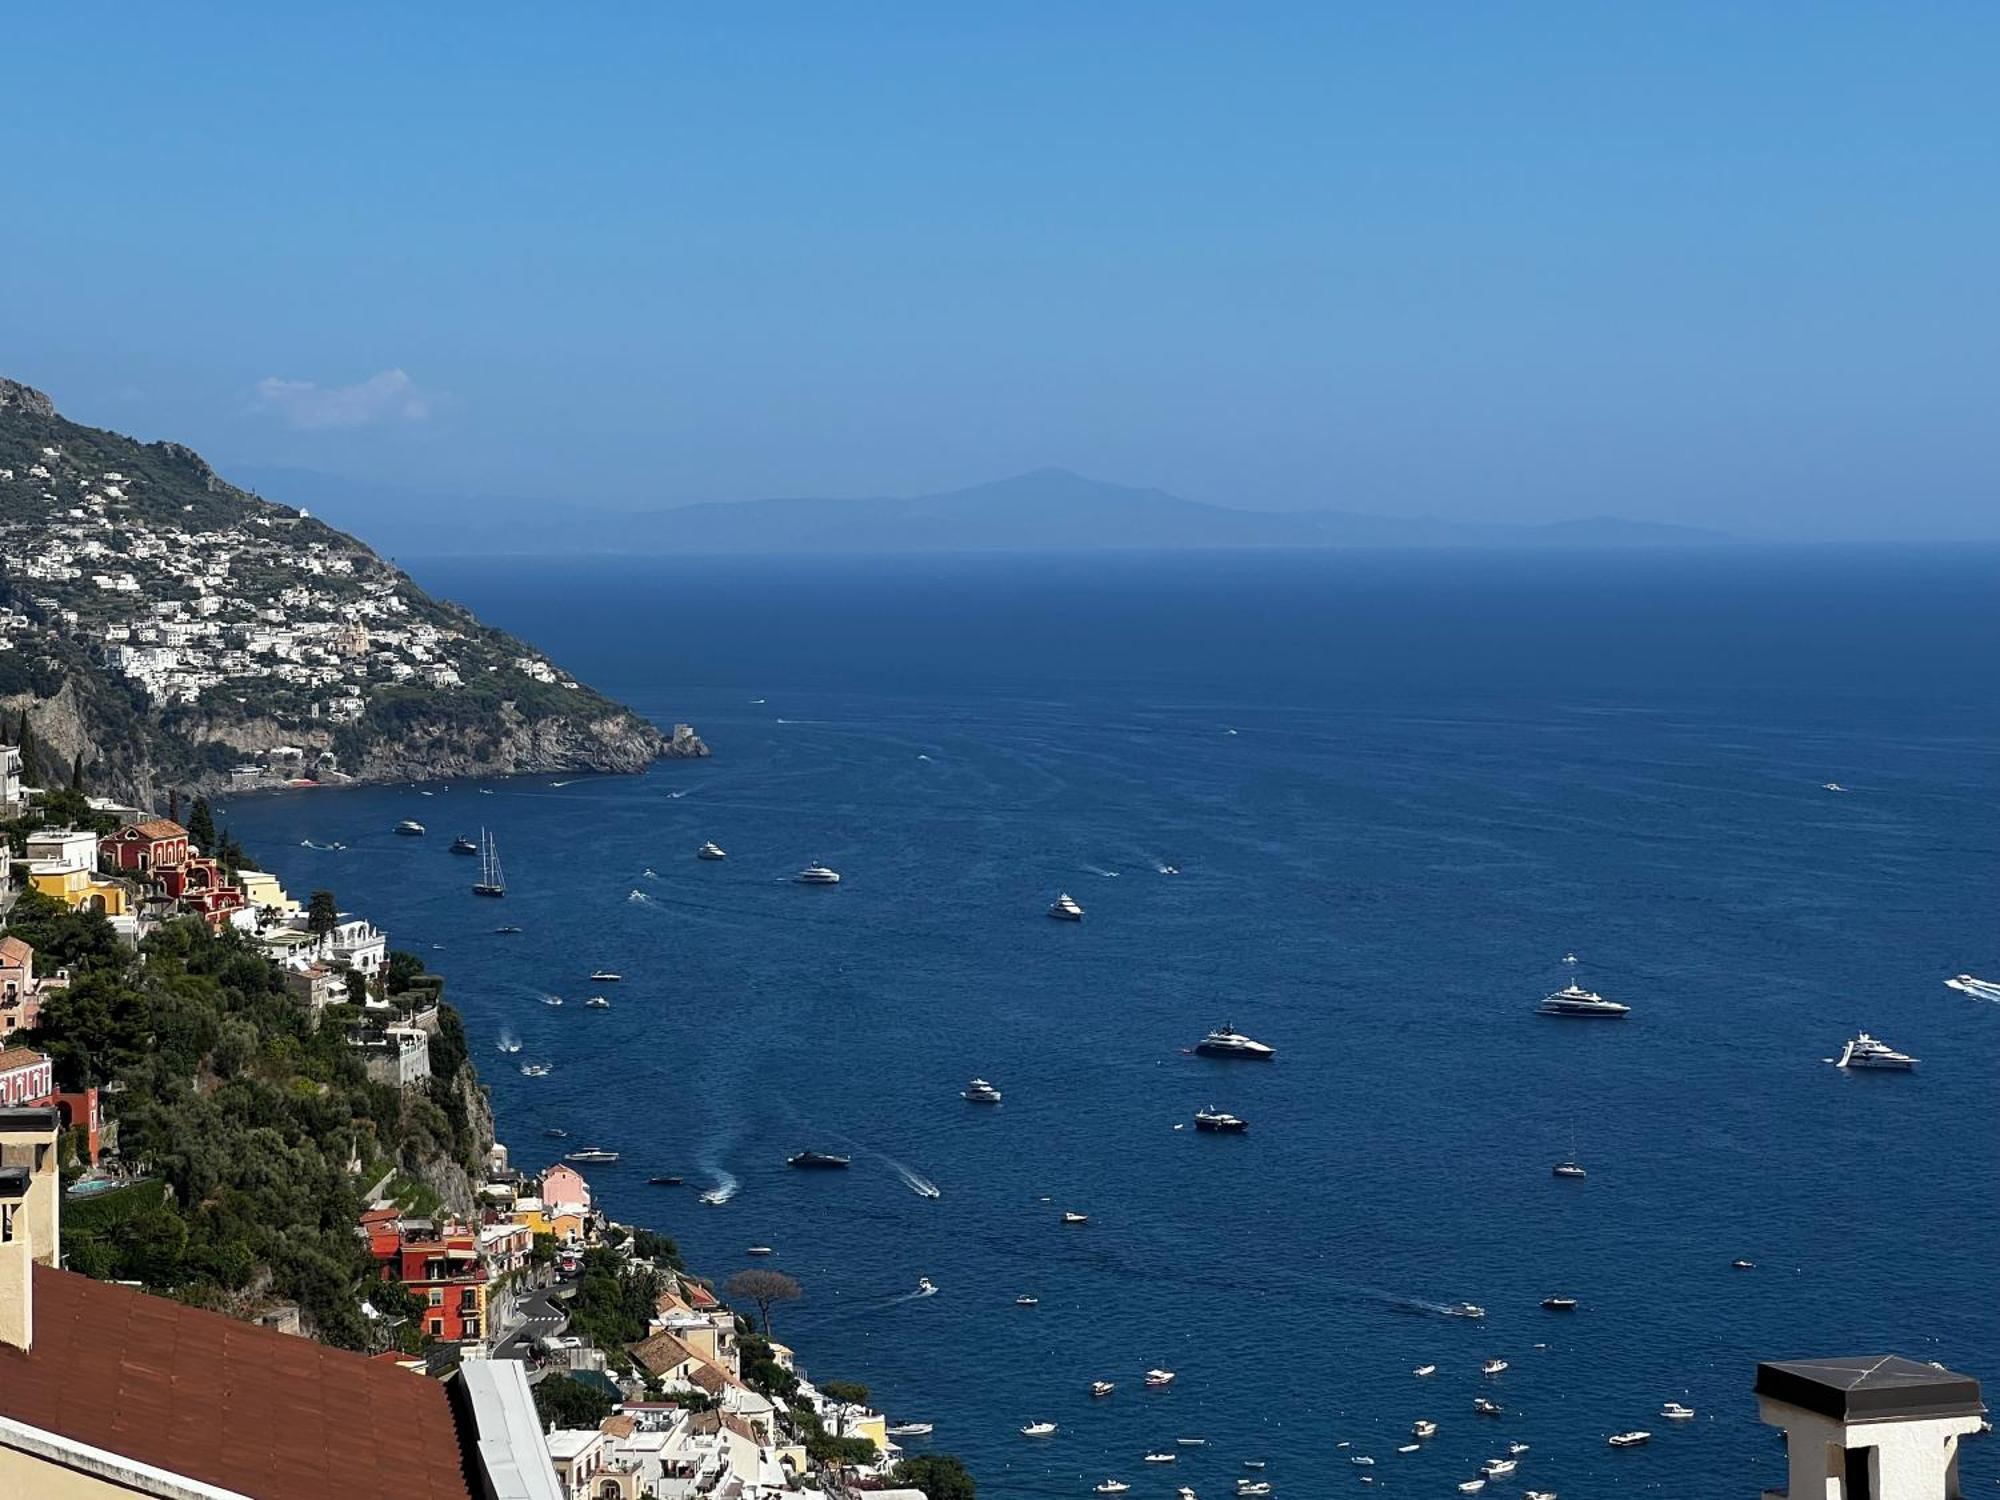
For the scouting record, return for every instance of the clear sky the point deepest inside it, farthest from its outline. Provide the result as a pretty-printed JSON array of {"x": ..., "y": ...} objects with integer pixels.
[{"x": 1725, "y": 264}]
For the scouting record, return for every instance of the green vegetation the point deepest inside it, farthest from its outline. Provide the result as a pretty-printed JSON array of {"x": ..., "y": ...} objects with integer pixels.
[
  {"x": 612, "y": 1305},
  {"x": 563, "y": 1402},
  {"x": 850, "y": 1391},
  {"x": 938, "y": 1475},
  {"x": 243, "y": 1114}
]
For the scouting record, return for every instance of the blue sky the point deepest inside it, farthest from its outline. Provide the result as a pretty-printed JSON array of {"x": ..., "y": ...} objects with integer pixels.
[{"x": 1730, "y": 265}]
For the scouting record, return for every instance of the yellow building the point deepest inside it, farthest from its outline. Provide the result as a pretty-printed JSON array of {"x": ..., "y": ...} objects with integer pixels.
[
  {"x": 261, "y": 892},
  {"x": 80, "y": 890}
]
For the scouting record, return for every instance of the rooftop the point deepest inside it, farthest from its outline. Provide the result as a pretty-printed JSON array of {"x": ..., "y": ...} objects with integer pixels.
[{"x": 1870, "y": 1388}]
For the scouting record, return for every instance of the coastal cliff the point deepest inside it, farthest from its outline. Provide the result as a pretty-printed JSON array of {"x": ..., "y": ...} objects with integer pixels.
[{"x": 160, "y": 627}]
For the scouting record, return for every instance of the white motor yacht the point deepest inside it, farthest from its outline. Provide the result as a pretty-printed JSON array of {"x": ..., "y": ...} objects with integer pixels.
[
  {"x": 1515, "y": 1450},
  {"x": 410, "y": 828},
  {"x": 598, "y": 1002},
  {"x": 1227, "y": 1041},
  {"x": 1113, "y": 1487},
  {"x": 1465, "y": 1310},
  {"x": 1498, "y": 1468},
  {"x": 1253, "y": 1487},
  {"x": 1163, "y": 1458},
  {"x": 1024, "y": 1300},
  {"x": 1102, "y": 1387},
  {"x": 1673, "y": 1411},
  {"x": 711, "y": 850},
  {"x": 605, "y": 976},
  {"x": 979, "y": 1091},
  {"x": 817, "y": 874},
  {"x": 1159, "y": 1377},
  {"x": 1423, "y": 1427},
  {"x": 1220, "y": 1121},
  {"x": 1038, "y": 1429},
  {"x": 1075, "y": 1218},
  {"x": 1493, "y": 1367},
  {"x": 1866, "y": 1051},
  {"x": 1065, "y": 909},
  {"x": 1574, "y": 1000},
  {"x": 1630, "y": 1439},
  {"x": 912, "y": 1429}
]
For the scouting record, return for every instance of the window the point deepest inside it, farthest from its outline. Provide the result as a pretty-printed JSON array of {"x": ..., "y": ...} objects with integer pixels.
[{"x": 436, "y": 1298}]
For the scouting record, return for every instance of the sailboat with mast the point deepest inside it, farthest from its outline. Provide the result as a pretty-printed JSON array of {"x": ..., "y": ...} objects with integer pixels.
[
  {"x": 1569, "y": 1166},
  {"x": 491, "y": 882}
]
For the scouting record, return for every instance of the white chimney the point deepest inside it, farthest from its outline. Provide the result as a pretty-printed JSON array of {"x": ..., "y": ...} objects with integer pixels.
[{"x": 1872, "y": 1427}]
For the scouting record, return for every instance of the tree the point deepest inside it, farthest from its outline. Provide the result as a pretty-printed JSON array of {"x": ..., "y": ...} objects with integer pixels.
[
  {"x": 25, "y": 740},
  {"x": 174, "y": 805},
  {"x": 357, "y": 987},
  {"x": 939, "y": 1475},
  {"x": 76, "y": 773},
  {"x": 852, "y": 1392},
  {"x": 201, "y": 826},
  {"x": 561, "y": 1401},
  {"x": 322, "y": 912},
  {"x": 764, "y": 1288}
]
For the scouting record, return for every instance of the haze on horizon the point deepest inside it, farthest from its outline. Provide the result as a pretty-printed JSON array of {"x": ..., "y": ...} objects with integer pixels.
[{"x": 1704, "y": 265}]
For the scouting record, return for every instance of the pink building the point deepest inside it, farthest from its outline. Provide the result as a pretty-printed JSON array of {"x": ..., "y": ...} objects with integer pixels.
[
  {"x": 25, "y": 1077},
  {"x": 564, "y": 1191}
]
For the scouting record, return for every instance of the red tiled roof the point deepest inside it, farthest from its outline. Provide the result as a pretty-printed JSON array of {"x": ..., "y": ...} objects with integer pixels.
[
  {"x": 157, "y": 828},
  {"x": 13, "y": 952},
  {"x": 19, "y": 1057},
  {"x": 227, "y": 1403}
]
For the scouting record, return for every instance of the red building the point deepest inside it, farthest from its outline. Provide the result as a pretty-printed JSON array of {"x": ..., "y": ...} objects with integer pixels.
[
  {"x": 198, "y": 884},
  {"x": 25, "y": 1078},
  {"x": 442, "y": 1267},
  {"x": 142, "y": 848}
]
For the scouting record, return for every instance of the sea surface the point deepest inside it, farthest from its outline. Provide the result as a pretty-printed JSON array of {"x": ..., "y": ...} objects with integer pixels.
[{"x": 1397, "y": 789}]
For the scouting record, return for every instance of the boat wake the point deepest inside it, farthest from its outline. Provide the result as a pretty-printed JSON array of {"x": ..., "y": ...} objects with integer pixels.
[
  {"x": 726, "y": 1187},
  {"x": 508, "y": 1041},
  {"x": 1978, "y": 989},
  {"x": 916, "y": 1182},
  {"x": 639, "y": 898},
  {"x": 1100, "y": 870},
  {"x": 324, "y": 848}
]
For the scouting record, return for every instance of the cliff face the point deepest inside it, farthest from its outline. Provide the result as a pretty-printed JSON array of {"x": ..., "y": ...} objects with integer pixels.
[{"x": 169, "y": 627}]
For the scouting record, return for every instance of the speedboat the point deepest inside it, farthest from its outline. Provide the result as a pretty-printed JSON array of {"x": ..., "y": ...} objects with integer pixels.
[
  {"x": 552, "y": 999},
  {"x": 1973, "y": 985},
  {"x": 1498, "y": 1468},
  {"x": 1065, "y": 909},
  {"x": 1024, "y": 1300},
  {"x": 817, "y": 874},
  {"x": 979, "y": 1091},
  {"x": 1101, "y": 1387},
  {"x": 1485, "y": 1407},
  {"x": 598, "y": 1002},
  {"x": 665, "y": 1180},
  {"x": 1493, "y": 1367},
  {"x": 592, "y": 1154},
  {"x": 1465, "y": 1310},
  {"x": 760, "y": 1250},
  {"x": 1038, "y": 1429},
  {"x": 1630, "y": 1439},
  {"x": 1159, "y": 1377},
  {"x": 463, "y": 845},
  {"x": 925, "y": 1286},
  {"x": 605, "y": 976},
  {"x": 1074, "y": 1218},
  {"x": 1866, "y": 1051},
  {"x": 1227, "y": 1041},
  {"x": 711, "y": 850},
  {"x": 1515, "y": 1450},
  {"x": 1163, "y": 1458},
  {"x": 1568, "y": 1167},
  {"x": 1559, "y": 1304},
  {"x": 911, "y": 1429},
  {"x": 534, "y": 1070},
  {"x": 1831, "y": 786},
  {"x": 1112, "y": 1487},
  {"x": 1574, "y": 1000},
  {"x": 1219, "y": 1120},
  {"x": 1472, "y": 1486},
  {"x": 556, "y": 1133},
  {"x": 820, "y": 1161},
  {"x": 510, "y": 1046},
  {"x": 1673, "y": 1411},
  {"x": 1252, "y": 1463},
  {"x": 1410, "y": 1448},
  {"x": 1421, "y": 1371},
  {"x": 1362, "y": 1461},
  {"x": 1742, "y": 1265},
  {"x": 507, "y": 930},
  {"x": 1423, "y": 1427},
  {"x": 410, "y": 828},
  {"x": 1184, "y": 1493}
]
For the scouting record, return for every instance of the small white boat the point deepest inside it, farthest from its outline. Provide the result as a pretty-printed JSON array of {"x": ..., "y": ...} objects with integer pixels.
[
  {"x": 1075, "y": 1218},
  {"x": 1493, "y": 1367},
  {"x": 711, "y": 850},
  {"x": 911, "y": 1429},
  {"x": 1673, "y": 1411},
  {"x": 1065, "y": 909},
  {"x": 979, "y": 1091},
  {"x": 1184, "y": 1493},
  {"x": 1486, "y": 1407},
  {"x": 1410, "y": 1448},
  {"x": 606, "y": 976},
  {"x": 1742, "y": 1265},
  {"x": 1472, "y": 1486},
  {"x": 534, "y": 1070},
  {"x": 924, "y": 1286},
  {"x": 1569, "y": 1168},
  {"x": 410, "y": 828},
  {"x": 1252, "y": 1487},
  {"x": 817, "y": 874},
  {"x": 1159, "y": 1377},
  {"x": 1038, "y": 1429},
  {"x": 1423, "y": 1427},
  {"x": 1465, "y": 1310},
  {"x": 552, "y": 999},
  {"x": 510, "y": 1046},
  {"x": 1423, "y": 1372},
  {"x": 1112, "y": 1487},
  {"x": 760, "y": 1250},
  {"x": 1498, "y": 1468},
  {"x": 1630, "y": 1439},
  {"x": 1538, "y": 1495},
  {"x": 1102, "y": 1387},
  {"x": 1163, "y": 1458},
  {"x": 1515, "y": 1450},
  {"x": 598, "y": 1002},
  {"x": 1024, "y": 1300},
  {"x": 1832, "y": 786},
  {"x": 1362, "y": 1461},
  {"x": 1192, "y": 1442},
  {"x": 1866, "y": 1051}
]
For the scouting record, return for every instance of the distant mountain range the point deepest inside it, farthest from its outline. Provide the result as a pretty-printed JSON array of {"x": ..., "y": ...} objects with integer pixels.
[{"x": 1046, "y": 510}]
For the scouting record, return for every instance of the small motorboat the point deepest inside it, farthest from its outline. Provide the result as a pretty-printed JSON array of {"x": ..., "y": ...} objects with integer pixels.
[
  {"x": 1192, "y": 1442},
  {"x": 1065, "y": 909},
  {"x": 591, "y": 1154},
  {"x": 1038, "y": 1429},
  {"x": 507, "y": 930},
  {"x": 1112, "y": 1487},
  {"x": 1831, "y": 786},
  {"x": 1498, "y": 1468},
  {"x": 911, "y": 1429},
  {"x": 1630, "y": 1439},
  {"x": 1184, "y": 1493},
  {"x": 1569, "y": 1167},
  {"x": 510, "y": 1046},
  {"x": 1486, "y": 1407},
  {"x": 665, "y": 1180},
  {"x": 1472, "y": 1486},
  {"x": 535, "y": 1070},
  {"x": 556, "y": 1133},
  {"x": 1423, "y": 1427},
  {"x": 712, "y": 850},
  {"x": 816, "y": 874},
  {"x": 1493, "y": 1367},
  {"x": 410, "y": 828},
  {"x": 1101, "y": 1387},
  {"x": 1362, "y": 1461},
  {"x": 1221, "y": 1121},
  {"x": 1424, "y": 1372},
  {"x": 925, "y": 1287},
  {"x": 1465, "y": 1310},
  {"x": 1075, "y": 1218},
  {"x": 979, "y": 1091},
  {"x": 1410, "y": 1448},
  {"x": 1024, "y": 1300},
  {"x": 1162, "y": 1458},
  {"x": 463, "y": 845},
  {"x": 760, "y": 1250},
  {"x": 1538, "y": 1495},
  {"x": 1673, "y": 1411},
  {"x": 1252, "y": 1463},
  {"x": 1515, "y": 1450},
  {"x": 1158, "y": 1378},
  {"x": 818, "y": 1161},
  {"x": 606, "y": 976},
  {"x": 598, "y": 1002},
  {"x": 1743, "y": 1265},
  {"x": 1559, "y": 1304},
  {"x": 1253, "y": 1487},
  {"x": 552, "y": 999}
]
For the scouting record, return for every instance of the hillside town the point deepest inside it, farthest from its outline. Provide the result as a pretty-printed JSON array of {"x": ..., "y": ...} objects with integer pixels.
[{"x": 583, "y": 1360}]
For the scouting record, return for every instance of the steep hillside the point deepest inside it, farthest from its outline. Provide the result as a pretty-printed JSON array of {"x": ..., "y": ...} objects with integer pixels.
[{"x": 167, "y": 626}]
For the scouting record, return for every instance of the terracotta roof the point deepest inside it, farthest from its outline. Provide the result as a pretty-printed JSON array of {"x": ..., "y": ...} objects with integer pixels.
[
  {"x": 618, "y": 1426},
  {"x": 14, "y": 952},
  {"x": 709, "y": 1377},
  {"x": 227, "y": 1403},
  {"x": 663, "y": 1352},
  {"x": 20, "y": 1057},
  {"x": 158, "y": 828},
  {"x": 740, "y": 1427}
]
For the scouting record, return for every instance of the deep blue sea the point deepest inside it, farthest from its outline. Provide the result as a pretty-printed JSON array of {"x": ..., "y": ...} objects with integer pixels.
[{"x": 1398, "y": 789}]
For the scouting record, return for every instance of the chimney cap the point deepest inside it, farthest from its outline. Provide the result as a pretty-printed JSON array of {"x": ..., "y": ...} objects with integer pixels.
[{"x": 1870, "y": 1388}]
